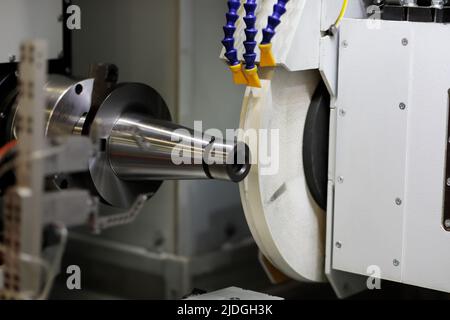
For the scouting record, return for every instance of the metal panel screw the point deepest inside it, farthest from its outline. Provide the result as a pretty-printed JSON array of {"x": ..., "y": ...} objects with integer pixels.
[
  {"x": 402, "y": 106},
  {"x": 342, "y": 112},
  {"x": 447, "y": 223},
  {"x": 448, "y": 182},
  {"x": 340, "y": 179},
  {"x": 405, "y": 42},
  {"x": 345, "y": 43},
  {"x": 338, "y": 245},
  {"x": 396, "y": 263},
  {"x": 398, "y": 201},
  {"x": 12, "y": 58}
]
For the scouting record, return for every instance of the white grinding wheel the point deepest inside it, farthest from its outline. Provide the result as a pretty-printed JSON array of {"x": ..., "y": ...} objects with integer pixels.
[{"x": 287, "y": 224}]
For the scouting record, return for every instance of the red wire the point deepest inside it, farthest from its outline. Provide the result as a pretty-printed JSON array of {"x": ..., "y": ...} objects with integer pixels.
[{"x": 7, "y": 147}]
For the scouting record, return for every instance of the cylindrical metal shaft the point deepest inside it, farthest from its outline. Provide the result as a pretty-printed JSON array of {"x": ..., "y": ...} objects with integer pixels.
[{"x": 141, "y": 148}]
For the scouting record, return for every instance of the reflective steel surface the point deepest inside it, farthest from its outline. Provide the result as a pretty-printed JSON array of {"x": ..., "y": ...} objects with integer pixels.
[{"x": 141, "y": 148}]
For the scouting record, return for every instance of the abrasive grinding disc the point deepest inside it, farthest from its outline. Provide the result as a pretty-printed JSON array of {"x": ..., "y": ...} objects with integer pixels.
[{"x": 286, "y": 222}]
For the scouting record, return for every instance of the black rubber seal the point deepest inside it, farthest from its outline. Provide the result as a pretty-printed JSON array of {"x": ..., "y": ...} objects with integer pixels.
[{"x": 315, "y": 145}]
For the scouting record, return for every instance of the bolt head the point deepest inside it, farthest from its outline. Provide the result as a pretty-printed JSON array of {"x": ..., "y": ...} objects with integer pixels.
[
  {"x": 448, "y": 182},
  {"x": 342, "y": 112},
  {"x": 398, "y": 201},
  {"x": 345, "y": 43},
  {"x": 340, "y": 179},
  {"x": 338, "y": 245},
  {"x": 405, "y": 42},
  {"x": 402, "y": 106},
  {"x": 396, "y": 263},
  {"x": 447, "y": 223}
]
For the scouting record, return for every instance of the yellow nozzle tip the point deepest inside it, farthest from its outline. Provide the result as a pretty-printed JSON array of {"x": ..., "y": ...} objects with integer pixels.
[
  {"x": 253, "y": 77},
  {"x": 267, "y": 57},
  {"x": 238, "y": 76}
]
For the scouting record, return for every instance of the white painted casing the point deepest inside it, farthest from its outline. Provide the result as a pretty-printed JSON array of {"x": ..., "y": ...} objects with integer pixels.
[{"x": 388, "y": 210}]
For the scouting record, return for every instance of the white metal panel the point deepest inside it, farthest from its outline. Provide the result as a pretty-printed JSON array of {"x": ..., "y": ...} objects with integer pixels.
[
  {"x": 304, "y": 48},
  {"x": 24, "y": 19},
  {"x": 426, "y": 256},
  {"x": 371, "y": 148},
  {"x": 384, "y": 152},
  {"x": 345, "y": 284},
  {"x": 329, "y": 62}
]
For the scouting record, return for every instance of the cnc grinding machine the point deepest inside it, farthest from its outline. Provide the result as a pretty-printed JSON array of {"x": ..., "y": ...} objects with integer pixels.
[{"x": 356, "y": 182}]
